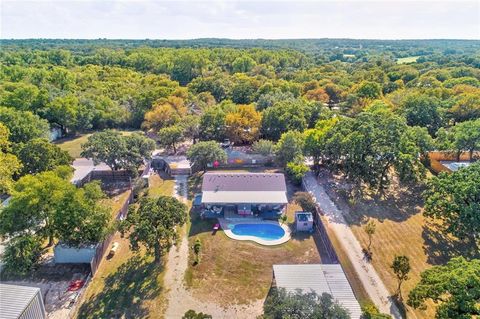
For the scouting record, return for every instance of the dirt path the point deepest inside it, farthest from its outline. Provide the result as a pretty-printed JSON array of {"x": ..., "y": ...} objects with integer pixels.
[
  {"x": 180, "y": 300},
  {"x": 366, "y": 273}
]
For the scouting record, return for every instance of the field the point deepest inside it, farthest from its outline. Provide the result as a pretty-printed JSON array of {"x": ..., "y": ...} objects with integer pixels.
[
  {"x": 408, "y": 59},
  {"x": 74, "y": 145},
  {"x": 401, "y": 229},
  {"x": 129, "y": 279}
]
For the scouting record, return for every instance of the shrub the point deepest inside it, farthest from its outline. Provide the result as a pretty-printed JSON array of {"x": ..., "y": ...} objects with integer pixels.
[
  {"x": 296, "y": 171},
  {"x": 22, "y": 254}
]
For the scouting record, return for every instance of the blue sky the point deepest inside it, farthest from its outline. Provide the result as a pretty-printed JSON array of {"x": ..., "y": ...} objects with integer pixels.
[{"x": 137, "y": 19}]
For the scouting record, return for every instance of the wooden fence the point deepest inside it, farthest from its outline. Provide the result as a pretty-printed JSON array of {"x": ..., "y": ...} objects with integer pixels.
[{"x": 105, "y": 244}]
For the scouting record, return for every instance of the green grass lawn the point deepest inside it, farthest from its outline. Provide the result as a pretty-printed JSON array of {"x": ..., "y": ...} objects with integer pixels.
[
  {"x": 408, "y": 59},
  {"x": 73, "y": 145}
]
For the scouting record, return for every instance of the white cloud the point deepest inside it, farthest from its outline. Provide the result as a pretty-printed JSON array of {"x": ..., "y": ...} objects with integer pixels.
[{"x": 138, "y": 19}]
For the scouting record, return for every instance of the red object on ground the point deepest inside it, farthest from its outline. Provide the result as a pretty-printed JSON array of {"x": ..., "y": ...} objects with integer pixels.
[
  {"x": 75, "y": 285},
  {"x": 216, "y": 227}
]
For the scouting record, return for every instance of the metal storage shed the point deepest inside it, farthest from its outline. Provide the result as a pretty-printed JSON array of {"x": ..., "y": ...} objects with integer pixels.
[
  {"x": 320, "y": 278},
  {"x": 21, "y": 302}
]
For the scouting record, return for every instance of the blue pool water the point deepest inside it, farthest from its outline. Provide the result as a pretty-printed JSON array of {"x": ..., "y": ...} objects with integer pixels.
[{"x": 263, "y": 231}]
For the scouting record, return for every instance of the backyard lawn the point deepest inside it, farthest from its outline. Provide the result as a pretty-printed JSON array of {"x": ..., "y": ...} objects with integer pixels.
[
  {"x": 129, "y": 279},
  {"x": 401, "y": 229},
  {"x": 74, "y": 145},
  {"x": 238, "y": 272}
]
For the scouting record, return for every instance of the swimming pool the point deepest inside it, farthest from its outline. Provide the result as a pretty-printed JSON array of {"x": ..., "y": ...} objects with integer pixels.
[{"x": 263, "y": 231}]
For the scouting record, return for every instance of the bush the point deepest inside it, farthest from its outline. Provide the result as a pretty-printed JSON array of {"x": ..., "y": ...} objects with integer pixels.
[
  {"x": 264, "y": 147},
  {"x": 191, "y": 314},
  {"x": 305, "y": 200},
  {"x": 296, "y": 171},
  {"x": 22, "y": 254},
  {"x": 370, "y": 311}
]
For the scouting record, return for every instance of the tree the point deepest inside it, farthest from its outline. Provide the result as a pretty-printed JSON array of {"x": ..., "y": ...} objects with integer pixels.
[
  {"x": 466, "y": 137},
  {"x": 264, "y": 147},
  {"x": 39, "y": 155},
  {"x": 306, "y": 201},
  {"x": 401, "y": 268},
  {"x": 117, "y": 151},
  {"x": 422, "y": 110},
  {"x": 190, "y": 125},
  {"x": 203, "y": 154},
  {"x": 454, "y": 198},
  {"x": 22, "y": 254},
  {"x": 9, "y": 164},
  {"x": 282, "y": 117},
  {"x": 243, "y": 64},
  {"x": 197, "y": 246},
  {"x": 154, "y": 224},
  {"x": 165, "y": 112},
  {"x": 369, "y": 90},
  {"x": 192, "y": 314},
  {"x": 296, "y": 171},
  {"x": 23, "y": 125},
  {"x": 281, "y": 304},
  {"x": 369, "y": 229},
  {"x": 170, "y": 136},
  {"x": 49, "y": 206},
  {"x": 454, "y": 288},
  {"x": 290, "y": 148},
  {"x": 242, "y": 125},
  {"x": 373, "y": 147},
  {"x": 212, "y": 124}
]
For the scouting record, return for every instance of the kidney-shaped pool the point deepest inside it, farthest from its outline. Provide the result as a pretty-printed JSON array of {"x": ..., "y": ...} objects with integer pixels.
[{"x": 263, "y": 231}]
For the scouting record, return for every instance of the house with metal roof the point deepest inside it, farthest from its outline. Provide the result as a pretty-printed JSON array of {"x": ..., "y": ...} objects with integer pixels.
[
  {"x": 244, "y": 194},
  {"x": 319, "y": 278},
  {"x": 21, "y": 302}
]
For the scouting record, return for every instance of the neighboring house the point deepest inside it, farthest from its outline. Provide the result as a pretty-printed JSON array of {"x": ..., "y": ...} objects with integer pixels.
[
  {"x": 21, "y": 302},
  {"x": 320, "y": 278},
  {"x": 244, "y": 194}
]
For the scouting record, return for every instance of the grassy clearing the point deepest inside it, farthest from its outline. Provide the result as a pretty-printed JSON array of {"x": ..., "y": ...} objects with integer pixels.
[
  {"x": 74, "y": 145},
  {"x": 129, "y": 285},
  {"x": 401, "y": 229},
  {"x": 160, "y": 184},
  {"x": 408, "y": 59}
]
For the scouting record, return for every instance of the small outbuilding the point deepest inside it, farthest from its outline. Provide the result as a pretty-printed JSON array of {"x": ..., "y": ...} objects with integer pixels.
[
  {"x": 21, "y": 302},
  {"x": 304, "y": 221}
]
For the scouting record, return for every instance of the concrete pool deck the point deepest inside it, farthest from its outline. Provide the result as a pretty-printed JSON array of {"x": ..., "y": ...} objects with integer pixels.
[{"x": 224, "y": 223}]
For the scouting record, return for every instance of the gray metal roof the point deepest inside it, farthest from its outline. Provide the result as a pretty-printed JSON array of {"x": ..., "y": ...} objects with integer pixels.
[
  {"x": 236, "y": 182},
  {"x": 14, "y": 299},
  {"x": 320, "y": 278}
]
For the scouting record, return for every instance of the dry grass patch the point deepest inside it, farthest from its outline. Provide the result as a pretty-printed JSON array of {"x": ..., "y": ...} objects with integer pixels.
[{"x": 401, "y": 229}]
